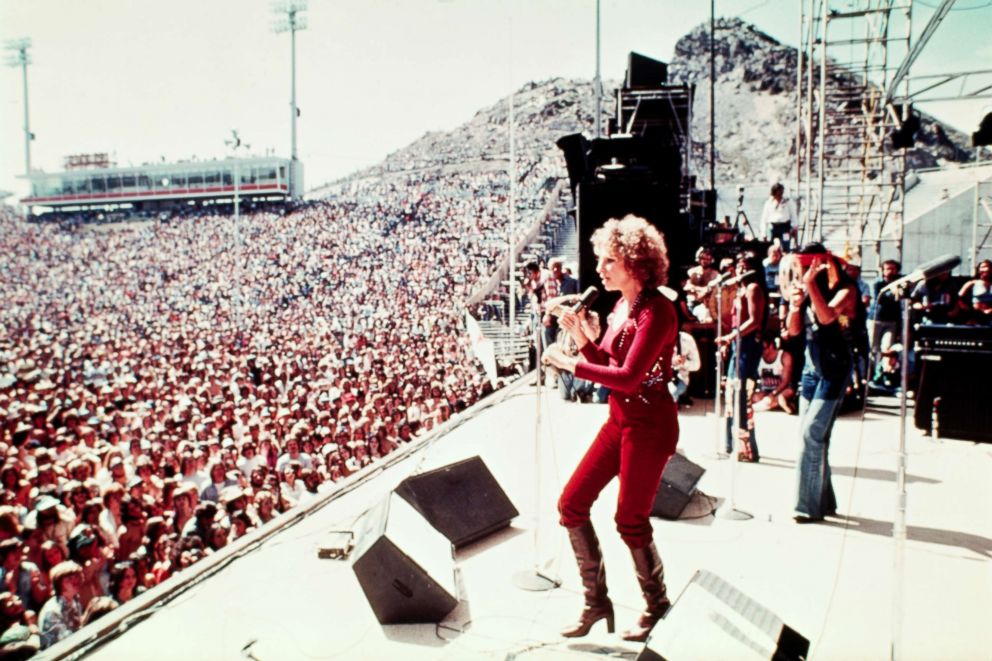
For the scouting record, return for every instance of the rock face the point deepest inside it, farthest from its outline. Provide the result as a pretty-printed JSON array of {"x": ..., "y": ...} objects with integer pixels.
[
  {"x": 756, "y": 106},
  {"x": 755, "y": 117}
]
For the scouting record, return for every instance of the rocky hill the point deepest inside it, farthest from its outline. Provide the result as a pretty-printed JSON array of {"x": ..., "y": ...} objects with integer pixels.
[
  {"x": 755, "y": 116},
  {"x": 755, "y": 106}
]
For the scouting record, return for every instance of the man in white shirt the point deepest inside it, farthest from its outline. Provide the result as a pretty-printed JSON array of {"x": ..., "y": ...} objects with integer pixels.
[
  {"x": 778, "y": 219},
  {"x": 685, "y": 360}
]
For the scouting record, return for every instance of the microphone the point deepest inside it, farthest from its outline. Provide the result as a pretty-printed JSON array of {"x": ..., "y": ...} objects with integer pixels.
[
  {"x": 925, "y": 271},
  {"x": 738, "y": 279},
  {"x": 589, "y": 297}
]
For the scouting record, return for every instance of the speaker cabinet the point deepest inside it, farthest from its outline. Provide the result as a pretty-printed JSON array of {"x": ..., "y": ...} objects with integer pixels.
[
  {"x": 677, "y": 484},
  {"x": 714, "y": 620},
  {"x": 463, "y": 500},
  {"x": 644, "y": 72},
  {"x": 405, "y": 567},
  {"x": 957, "y": 385}
]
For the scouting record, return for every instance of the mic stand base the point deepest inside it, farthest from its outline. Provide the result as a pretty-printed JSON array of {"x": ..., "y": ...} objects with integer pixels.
[
  {"x": 731, "y": 513},
  {"x": 533, "y": 580}
]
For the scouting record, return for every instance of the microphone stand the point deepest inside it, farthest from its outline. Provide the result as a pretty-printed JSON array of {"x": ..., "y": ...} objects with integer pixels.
[
  {"x": 899, "y": 521},
  {"x": 533, "y": 579},
  {"x": 720, "y": 424},
  {"x": 729, "y": 511}
]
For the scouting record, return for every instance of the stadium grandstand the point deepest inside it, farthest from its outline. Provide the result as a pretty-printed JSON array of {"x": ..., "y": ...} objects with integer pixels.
[{"x": 91, "y": 183}]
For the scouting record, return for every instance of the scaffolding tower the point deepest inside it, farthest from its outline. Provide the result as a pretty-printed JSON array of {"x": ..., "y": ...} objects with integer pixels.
[{"x": 850, "y": 176}]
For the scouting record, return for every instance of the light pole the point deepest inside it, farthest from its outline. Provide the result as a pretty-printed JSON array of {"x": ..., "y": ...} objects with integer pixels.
[
  {"x": 234, "y": 144},
  {"x": 292, "y": 22},
  {"x": 598, "y": 82},
  {"x": 19, "y": 58}
]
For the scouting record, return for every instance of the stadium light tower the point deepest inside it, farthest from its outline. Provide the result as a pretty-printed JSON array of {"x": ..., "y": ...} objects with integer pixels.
[
  {"x": 19, "y": 58},
  {"x": 291, "y": 22}
]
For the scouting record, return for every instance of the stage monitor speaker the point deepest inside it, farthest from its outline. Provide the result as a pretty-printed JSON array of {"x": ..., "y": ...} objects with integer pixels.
[
  {"x": 644, "y": 72},
  {"x": 677, "y": 484},
  {"x": 463, "y": 500},
  {"x": 405, "y": 567},
  {"x": 714, "y": 620}
]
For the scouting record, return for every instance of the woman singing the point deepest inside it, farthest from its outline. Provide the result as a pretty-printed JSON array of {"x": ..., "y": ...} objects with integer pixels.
[{"x": 634, "y": 361}]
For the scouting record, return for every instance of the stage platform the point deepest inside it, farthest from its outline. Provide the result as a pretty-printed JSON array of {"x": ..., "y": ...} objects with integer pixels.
[{"x": 274, "y": 599}]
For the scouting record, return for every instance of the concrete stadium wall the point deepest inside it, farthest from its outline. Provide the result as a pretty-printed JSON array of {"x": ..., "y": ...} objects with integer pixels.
[{"x": 945, "y": 228}]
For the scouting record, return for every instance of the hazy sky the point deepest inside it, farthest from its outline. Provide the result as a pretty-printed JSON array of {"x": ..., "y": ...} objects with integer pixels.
[{"x": 142, "y": 79}]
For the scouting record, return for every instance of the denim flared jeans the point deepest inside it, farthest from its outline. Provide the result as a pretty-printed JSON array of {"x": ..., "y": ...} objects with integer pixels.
[{"x": 819, "y": 404}]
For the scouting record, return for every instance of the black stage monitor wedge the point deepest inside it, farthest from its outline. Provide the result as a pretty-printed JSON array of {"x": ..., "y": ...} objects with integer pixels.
[
  {"x": 644, "y": 72},
  {"x": 677, "y": 484},
  {"x": 405, "y": 567},
  {"x": 463, "y": 500},
  {"x": 714, "y": 620}
]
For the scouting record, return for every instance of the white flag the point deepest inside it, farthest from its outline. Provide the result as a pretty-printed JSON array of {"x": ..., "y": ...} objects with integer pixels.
[{"x": 482, "y": 347}]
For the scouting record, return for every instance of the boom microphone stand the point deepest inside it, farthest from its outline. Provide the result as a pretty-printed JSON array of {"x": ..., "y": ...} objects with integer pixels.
[
  {"x": 900, "y": 287},
  {"x": 533, "y": 579},
  {"x": 720, "y": 424},
  {"x": 729, "y": 510}
]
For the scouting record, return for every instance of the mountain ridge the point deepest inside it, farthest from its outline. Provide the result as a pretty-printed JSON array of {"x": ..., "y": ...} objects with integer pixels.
[{"x": 755, "y": 130}]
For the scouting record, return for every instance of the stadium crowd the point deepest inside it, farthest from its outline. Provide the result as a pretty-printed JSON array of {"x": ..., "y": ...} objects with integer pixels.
[{"x": 168, "y": 386}]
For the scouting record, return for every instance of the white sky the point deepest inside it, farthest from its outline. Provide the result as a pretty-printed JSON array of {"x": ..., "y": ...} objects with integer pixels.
[{"x": 143, "y": 79}]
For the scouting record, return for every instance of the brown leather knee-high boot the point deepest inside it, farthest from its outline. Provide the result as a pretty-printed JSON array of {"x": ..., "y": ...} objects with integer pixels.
[
  {"x": 651, "y": 576},
  {"x": 598, "y": 606}
]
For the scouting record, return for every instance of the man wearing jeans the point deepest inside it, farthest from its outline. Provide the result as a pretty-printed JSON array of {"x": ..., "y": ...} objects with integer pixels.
[{"x": 824, "y": 309}]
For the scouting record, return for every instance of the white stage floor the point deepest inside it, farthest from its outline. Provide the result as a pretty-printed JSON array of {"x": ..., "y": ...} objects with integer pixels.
[{"x": 831, "y": 582}]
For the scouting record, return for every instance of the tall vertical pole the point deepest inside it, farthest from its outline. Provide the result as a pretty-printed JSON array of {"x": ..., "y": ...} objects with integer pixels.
[
  {"x": 293, "y": 193},
  {"x": 511, "y": 168},
  {"x": 27, "y": 122},
  {"x": 292, "y": 22},
  {"x": 822, "y": 129},
  {"x": 899, "y": 523},
  {"x": 511, "y": 172},
  {"x": 712, "y": 94},
  {"x": 19, "y": 57},
  {"x": 811, "y": 145},
  {"x": 800, "y": 59},
  {"x": 598, "y": 82}
]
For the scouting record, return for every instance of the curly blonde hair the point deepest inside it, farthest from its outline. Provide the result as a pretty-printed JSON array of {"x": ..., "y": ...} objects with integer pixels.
[{"x": 639, "y": 244}]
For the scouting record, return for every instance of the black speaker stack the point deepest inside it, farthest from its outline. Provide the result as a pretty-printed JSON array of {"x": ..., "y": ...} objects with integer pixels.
[
  {"x": 404, "y": 558},
  {"x": 638, "y": 169}
]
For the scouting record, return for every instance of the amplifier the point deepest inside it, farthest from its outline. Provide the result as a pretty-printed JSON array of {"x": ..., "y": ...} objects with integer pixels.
[
  {"x": 953, "y": 394},
  {"x": 945, "y": 339}
]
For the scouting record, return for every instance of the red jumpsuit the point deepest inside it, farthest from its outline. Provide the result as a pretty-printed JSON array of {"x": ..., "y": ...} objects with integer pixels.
[{"x": 636, "y": 442}]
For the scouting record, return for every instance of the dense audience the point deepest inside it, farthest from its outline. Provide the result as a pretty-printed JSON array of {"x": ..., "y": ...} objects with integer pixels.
[{"x": 169, "y": 385}]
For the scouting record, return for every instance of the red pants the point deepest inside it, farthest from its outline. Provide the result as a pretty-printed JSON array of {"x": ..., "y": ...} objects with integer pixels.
[{"x": 635, "y": 443}]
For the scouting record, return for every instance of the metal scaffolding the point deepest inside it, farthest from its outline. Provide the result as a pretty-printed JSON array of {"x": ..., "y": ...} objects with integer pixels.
[{"x": 850, "y": 178}]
